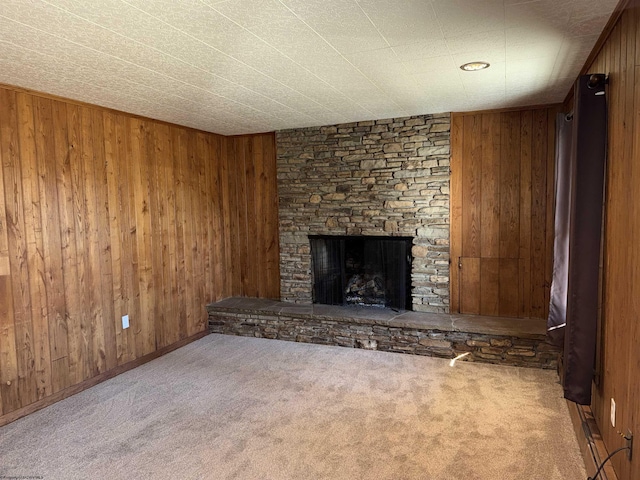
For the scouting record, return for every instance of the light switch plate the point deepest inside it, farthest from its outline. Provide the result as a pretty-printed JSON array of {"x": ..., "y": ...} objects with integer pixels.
[{"x": 125, "y": 321}]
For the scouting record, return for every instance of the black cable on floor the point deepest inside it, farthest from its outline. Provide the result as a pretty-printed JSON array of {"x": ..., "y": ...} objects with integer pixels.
[{"x": 606, "y": 460}]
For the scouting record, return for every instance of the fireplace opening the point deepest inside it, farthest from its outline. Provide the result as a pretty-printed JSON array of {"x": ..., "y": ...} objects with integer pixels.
[{"x": 361, "y": 270}]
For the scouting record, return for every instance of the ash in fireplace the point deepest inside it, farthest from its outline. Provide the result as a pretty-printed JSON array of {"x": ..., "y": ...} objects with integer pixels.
[{"x": 366, "y": 289}]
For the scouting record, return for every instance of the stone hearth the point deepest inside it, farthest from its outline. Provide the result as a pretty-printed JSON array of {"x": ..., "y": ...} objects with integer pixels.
[{"x": 507, "y": 341}]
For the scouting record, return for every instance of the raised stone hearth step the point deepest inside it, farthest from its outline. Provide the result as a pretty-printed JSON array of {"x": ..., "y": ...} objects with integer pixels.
[{"x": 506, "y": 341}]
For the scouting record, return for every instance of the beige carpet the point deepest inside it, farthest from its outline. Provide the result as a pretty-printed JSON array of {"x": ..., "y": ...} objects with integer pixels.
[{"x": 243, "y": 408}]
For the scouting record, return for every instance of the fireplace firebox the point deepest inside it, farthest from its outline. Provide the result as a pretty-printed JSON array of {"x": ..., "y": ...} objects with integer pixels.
[{"x": 361, "y": 270}]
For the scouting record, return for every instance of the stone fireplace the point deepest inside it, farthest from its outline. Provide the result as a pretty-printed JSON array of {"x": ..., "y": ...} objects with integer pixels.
[
  {"x": 382, "y": 178},
  {"x": 361, "y": 270}
]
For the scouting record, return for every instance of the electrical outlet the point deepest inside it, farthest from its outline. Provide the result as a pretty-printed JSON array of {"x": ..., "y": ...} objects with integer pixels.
[
  {"x": 125, "y": 321},
  {"x": 613, "y": 412}
]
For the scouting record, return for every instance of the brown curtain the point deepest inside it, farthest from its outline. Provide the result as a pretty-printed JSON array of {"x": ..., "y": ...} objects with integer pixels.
[{"x": 588, "y": 155}]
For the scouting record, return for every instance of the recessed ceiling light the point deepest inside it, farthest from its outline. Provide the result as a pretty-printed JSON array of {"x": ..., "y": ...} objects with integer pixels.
[{"x": 473, "y": 66}]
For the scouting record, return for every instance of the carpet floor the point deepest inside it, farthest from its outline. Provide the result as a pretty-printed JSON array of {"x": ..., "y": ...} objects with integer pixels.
[{"x": 229, "y": 407}]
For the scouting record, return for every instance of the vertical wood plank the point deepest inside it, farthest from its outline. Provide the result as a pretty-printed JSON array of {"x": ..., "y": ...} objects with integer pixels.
[
  {"x": 491, "y": 185},
  {"x": 191, "y": 237},
  {"x": 104, "y": 262},
  {"x": 46, "y": 152},
  {"x": 112, "y": 138},
  {"x": 253, "y": 247},
  {"x": 526, "y": 124},
  {"x": 471, "y": 187},
  {"x": 10, "y": 399},
  {"x": 631, "y": 124},
  {"x": 61, "y": 371},
  {"x": 270, "y": 216},
  {"x": 75, "y": 256},
  {"x": 243, "y": 217},
  {"x": 132, "y": 347},
  {"x": 179, "y": 156},
  {"x": 234, "y": 213},
  {"x": 169, "y": 231},
  {"x": 138, "y": 318},
  {"x": 509, "y": 288},
  {"x": 92, "y": 280},
  {"x": 154, "y": 158},
  {"x": 490, "y": 286},
  {"x": 33, "y": 334},
  {"x": 225, "y": 198},
  {"x": 200, "y": 256},
  {"x": 510, "y": 185},
  {"x": 258, "y": 193},
  {"x": 145, "y": 331},
  {"x": 216, "y": 241},
  {"x": 167, "y": 334},
  {"x": 635, "y": 29},
  {"x": 550, "y": 224},
  {"x": 206, "y": 197},
  {"x": 538, "y": 212},
  {"x": 457, "y": 146},
  {"x": 615, "y": 60},
  {"x": 470, "y": 285}
]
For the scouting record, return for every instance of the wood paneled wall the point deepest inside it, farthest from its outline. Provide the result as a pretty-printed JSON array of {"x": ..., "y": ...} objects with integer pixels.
[
  {"x": 502, "y": 171},
  {"x": 104, "y": 214},
  {"x": 254, "y": 199},
  {"x": 620, "y": 339}
]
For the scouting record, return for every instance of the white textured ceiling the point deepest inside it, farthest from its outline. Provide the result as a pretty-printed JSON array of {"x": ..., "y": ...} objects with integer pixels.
[{"x": 243, "y": 66}]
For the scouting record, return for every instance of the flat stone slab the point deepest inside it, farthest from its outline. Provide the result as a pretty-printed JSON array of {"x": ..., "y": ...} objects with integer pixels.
[
  {"x": 505, "y": 341},
  {"x": 507, "y": 326}
]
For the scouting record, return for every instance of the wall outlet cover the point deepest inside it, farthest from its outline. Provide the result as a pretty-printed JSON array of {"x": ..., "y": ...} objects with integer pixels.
[
  {"x": 613, "y": 412},
  {"x": 125, "y": 321}
]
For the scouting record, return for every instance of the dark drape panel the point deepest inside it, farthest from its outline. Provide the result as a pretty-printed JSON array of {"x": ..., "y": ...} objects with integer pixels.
[
  {"x": 559, "y": 283},
  {"x": 587, "y": 185}
]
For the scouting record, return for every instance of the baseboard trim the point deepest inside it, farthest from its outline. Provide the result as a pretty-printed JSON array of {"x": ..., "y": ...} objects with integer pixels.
[
  {"x": 590, "y": 441},
  {"x": 67, "y": 392}
]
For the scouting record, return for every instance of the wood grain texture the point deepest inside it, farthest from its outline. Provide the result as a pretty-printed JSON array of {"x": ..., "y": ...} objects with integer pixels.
[
  {"x": 104, "y": 214},
  {"x": 492, "y": 185},
  {"x": 9, "y": 397},
  {"x": 509, "y": 180},
  {"x": 253, "y": 228},
  {"x": 472, "y": 187},
  {"x": 457, "y": 143},
  {"x": 269, "y": 221},
  {"x": 46, "y": 150},
  {"x": 29, "y": 385},
  {"x": 470, "y": 279},
  {"x": 620, "y": 330},
  {"x": 526, "y": 124},
  {"x": 509, "y": 287},
  {"x": 490, "y": 286},
  {"x": 538, "y": 213},
  {"x": 501, "y": 197}
]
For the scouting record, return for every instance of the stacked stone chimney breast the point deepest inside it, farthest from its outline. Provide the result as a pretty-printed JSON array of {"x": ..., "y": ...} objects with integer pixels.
[{"x": 383, "y": 177}]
